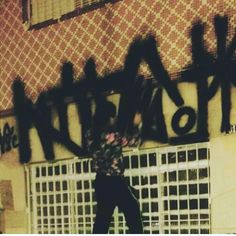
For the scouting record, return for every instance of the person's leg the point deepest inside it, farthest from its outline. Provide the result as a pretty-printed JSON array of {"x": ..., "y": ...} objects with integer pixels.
[
  {"x": 130, "y": 207},
  {"x": 103, "y": 217},
  {"x": 105, "y": 206}
]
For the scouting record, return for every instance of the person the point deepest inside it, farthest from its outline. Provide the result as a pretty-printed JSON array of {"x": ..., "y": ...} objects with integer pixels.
[{"x": 111, "y": 190}]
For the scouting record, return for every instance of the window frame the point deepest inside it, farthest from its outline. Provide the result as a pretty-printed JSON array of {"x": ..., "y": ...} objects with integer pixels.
[{"x": 27, "y": 14}]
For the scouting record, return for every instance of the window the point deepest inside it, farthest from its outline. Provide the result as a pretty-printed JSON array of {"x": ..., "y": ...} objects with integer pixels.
[
  {"x": 185, "y": 189},
  {"x": 40, "y": 13},
  {"x": 172, "y": 185}
]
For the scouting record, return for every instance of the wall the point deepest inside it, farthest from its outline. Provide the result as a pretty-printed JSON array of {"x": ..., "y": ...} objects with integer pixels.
[
  {"x": 106, "y": 34},
  {"x": 12, "y": 190},
  {"x": 223, "y": 186}
]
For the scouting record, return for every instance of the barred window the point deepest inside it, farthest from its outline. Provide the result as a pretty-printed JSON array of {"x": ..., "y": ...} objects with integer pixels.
[
  {"x": 40, "y": 13},
  {"x": 172, "y": 185}
]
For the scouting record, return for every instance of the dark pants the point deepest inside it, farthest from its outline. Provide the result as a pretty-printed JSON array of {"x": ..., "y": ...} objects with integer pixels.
[{"x": 112, "y": 191}]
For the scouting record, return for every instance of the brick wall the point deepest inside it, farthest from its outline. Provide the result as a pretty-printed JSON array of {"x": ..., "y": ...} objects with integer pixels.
[{"x": 104, "y": 34}]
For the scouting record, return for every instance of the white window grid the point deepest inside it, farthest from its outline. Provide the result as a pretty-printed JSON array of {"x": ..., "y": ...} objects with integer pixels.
[{"x": 172, "y": 185}]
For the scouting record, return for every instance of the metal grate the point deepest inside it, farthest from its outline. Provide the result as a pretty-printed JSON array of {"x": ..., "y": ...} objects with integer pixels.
[
  {"x": 185, "y": 189},
  {"x": 172, "y": 183}
]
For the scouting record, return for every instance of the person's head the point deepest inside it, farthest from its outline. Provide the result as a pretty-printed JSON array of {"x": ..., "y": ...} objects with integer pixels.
[{"x": 104, "y": 117}]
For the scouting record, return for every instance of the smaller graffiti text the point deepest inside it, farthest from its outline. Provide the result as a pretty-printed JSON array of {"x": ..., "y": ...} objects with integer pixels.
[{"x": 8, "y": 138}]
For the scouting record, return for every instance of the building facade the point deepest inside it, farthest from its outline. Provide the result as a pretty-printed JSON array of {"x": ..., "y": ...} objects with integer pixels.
[{"x": 184, "y": 174}]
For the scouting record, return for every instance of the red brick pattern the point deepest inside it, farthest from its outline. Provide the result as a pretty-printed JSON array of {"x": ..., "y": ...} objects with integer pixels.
[{"x": 104, "y": 34}]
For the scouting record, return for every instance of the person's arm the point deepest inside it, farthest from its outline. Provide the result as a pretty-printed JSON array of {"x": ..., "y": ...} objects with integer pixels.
[
  {"x": 89, "y": 140},
  {"x": 87, "y": 145},
  {"x": 137, "y": 119},
  {"x": 134, "y": 139}
]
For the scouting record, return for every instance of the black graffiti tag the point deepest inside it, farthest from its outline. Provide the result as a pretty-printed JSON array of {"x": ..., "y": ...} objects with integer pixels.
[
  {"x": 8, "y": 138},
  {"x": 137, "y": 94}
]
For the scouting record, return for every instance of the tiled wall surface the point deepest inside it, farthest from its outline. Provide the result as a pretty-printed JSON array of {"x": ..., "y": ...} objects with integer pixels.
[{"x": 104, "y": 34}]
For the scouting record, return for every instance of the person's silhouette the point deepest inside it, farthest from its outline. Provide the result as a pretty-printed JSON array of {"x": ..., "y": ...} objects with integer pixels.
[{"x": 111, "y": 190}]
